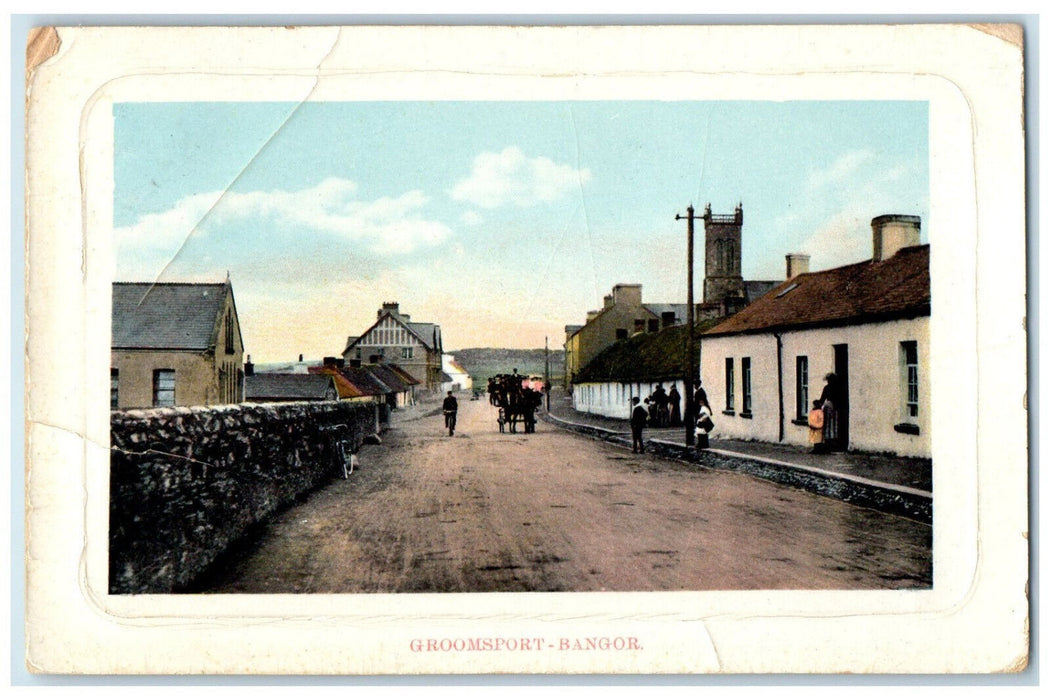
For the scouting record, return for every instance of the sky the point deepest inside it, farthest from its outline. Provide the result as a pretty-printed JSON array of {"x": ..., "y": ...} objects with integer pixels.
[{"x": 501, "y": 221}]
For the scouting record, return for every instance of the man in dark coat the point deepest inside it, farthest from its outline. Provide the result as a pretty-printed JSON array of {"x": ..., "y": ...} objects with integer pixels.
[
  {"x": 699, "y": 397},
  {"x": 450, "y": 407},
  {"x": 638, "y": 418}
]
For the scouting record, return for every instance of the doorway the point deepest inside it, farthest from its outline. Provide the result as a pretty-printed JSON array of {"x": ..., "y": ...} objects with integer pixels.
[{"x": 842, "y": 391}]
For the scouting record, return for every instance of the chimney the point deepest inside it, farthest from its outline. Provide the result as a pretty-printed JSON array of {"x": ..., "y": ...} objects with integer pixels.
[
  {"x": 355, "y": 363},
  {"x": 300, "y": 357},
  {"x": 797, "y": 264},
  {"x": 628, "y": 294},
  {"x": 249, "y": 368},
  {"x": 891, "y": 232},
  {"x": 608, "y": 301},
  {"x": 591, "y": 315},
  {"x": 391, "y": 306},
  {"x": 336, "y": 362}
]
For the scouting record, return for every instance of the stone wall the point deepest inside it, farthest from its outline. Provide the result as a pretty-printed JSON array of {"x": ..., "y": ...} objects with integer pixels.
[{"x": 185, "y": 483}]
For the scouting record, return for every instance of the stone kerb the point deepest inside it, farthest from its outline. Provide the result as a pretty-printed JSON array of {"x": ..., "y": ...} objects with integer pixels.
[{"x": 185, "y": 483}]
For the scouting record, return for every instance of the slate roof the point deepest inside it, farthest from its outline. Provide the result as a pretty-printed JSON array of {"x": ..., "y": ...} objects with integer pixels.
[
  {"x": 405, "y": 377},
  {"x": 166, "y": 316},
  {"x": 286, "y": 387},
  {"x": 389, "y": 377},
  {"x": 898, "y": 287}
]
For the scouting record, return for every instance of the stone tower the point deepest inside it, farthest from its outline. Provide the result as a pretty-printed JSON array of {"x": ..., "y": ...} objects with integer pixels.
[{"x": 723, "y": 282}]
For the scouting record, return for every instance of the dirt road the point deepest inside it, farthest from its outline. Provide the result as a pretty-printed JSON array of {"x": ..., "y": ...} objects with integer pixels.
[{"x": 553, "y": 511}]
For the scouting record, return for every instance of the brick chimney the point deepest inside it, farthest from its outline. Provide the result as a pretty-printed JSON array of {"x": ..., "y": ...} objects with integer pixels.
[
  {"x": 591, "y": 315},
  {"x": 249, "y": 368},
  {"x": 891, "y": 232},
  {"x": 797, "y": 264},
  {"x": 608, "y": 301},
  {"x": 391, "y": 306}
]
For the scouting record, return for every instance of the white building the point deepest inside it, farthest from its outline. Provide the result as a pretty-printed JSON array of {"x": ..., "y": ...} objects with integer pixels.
[
  {"x": 458, "y": 377},
  {"x": 632, "y": 367},
  {"x": 867, "y": 323}
]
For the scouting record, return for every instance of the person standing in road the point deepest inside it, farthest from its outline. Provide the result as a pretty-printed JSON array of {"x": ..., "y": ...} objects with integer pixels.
[
  {"x": 450, "y": 407},
  {"x": 638, "y": 418}
]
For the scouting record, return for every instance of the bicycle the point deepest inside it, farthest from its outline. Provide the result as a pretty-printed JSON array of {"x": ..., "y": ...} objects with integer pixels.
[
  {"x": 450, "y": 422},
  {"x": 343, "y": 449}
]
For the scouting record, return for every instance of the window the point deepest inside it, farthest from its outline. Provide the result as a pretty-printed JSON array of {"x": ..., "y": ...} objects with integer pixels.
[
  {"x": 745, "y": 381},
  {"x": 801, "y": 387},
  {"x": 730, "y": 389},
  {"x": 639, "y": 325},
  {"x": 910, "y": 378},
  {"x": 163, "y": 387},
  {"x": 654, "y": 325},
  {"x": 621, "y": 334},
  {"x": 406, "y": 353},
  {"x": 114, "y": 382},
  {"x": 229, "y": 333}
]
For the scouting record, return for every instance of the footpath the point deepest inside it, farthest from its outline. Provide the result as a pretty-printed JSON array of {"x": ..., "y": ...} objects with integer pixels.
[{"x": 899, "y": 485}]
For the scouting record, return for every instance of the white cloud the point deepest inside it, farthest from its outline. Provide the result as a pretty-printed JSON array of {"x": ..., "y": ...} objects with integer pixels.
[
  {"x": 843, "y": 168},
  {"x": 471, "y": 218},
  {"x": 388, "y": 225},
  {"x": 510, "y": 177}
]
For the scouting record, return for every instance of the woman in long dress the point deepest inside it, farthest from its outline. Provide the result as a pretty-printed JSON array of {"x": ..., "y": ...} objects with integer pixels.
[
  {"x": 703, "y": 417},
  {"x": 828, "y": 401}
]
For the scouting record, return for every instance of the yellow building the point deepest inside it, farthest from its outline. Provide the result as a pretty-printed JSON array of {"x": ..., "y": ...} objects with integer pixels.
[{"x": 175, "y": 345}]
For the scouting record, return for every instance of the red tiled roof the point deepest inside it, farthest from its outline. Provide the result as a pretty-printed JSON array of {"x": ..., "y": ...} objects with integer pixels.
[
  {"x": 898, "y": 287},
  {"x": 346, "y": 389}
]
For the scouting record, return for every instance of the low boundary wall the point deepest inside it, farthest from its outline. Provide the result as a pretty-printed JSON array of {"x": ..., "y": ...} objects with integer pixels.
[
  {"x": 888, "y": 498},
  {"x": 185, "y": 483}
]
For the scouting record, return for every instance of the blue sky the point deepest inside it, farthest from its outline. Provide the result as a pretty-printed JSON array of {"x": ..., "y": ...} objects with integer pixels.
[{"x": 501, "y": 221}]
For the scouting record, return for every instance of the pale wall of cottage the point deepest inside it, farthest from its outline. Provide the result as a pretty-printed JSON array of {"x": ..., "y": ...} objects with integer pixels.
[
  {"x": 876, "y": 384},
  {"x": 196, "y": 380},
  {"x": 613, "y": 399}
]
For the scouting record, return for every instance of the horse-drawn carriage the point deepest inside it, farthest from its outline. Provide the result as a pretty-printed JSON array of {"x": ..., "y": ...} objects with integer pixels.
[{"x": 517, "y": 399}]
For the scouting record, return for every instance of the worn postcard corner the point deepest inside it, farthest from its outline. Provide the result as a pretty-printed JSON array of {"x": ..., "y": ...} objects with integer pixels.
[{"x": 526, "y": 350}]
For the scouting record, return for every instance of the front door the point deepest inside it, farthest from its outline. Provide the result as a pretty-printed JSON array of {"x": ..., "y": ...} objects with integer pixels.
[{"x": 842, "y": 375}]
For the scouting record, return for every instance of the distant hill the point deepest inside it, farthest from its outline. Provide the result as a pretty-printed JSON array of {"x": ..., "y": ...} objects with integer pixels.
[{"x": 482, "y": 363}]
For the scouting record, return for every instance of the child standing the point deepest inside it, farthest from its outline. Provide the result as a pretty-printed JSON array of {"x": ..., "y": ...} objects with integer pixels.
[{"x": 816, "y": 427}]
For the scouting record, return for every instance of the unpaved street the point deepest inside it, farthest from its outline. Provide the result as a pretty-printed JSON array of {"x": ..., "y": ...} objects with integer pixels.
[{"x": 553, "y": 511}]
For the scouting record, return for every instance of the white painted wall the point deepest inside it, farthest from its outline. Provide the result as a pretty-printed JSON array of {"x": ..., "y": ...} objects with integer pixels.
[
  {"x": 613, "y": 399},
  {"x": 876, "y": 384}
]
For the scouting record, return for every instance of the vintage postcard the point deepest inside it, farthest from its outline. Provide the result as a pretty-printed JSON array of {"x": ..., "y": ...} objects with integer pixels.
[{"x": 690, "y": 349}]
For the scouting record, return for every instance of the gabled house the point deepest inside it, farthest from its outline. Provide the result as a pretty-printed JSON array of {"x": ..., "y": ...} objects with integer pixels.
[
  {"x": 175, "y": 344},
  {"x": 394, "y": 338},
  {"x": 866, "y": 323}
]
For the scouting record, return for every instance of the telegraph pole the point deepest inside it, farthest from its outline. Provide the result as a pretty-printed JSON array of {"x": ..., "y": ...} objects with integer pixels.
[{"x": 690, "y": 346}]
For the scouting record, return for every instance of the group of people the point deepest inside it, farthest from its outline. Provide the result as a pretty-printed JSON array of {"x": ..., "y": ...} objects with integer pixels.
[{"x": 661, "y": 409}]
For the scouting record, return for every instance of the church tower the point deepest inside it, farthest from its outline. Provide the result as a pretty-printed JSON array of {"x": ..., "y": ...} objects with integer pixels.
[{"x": 723, "y": 281}]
